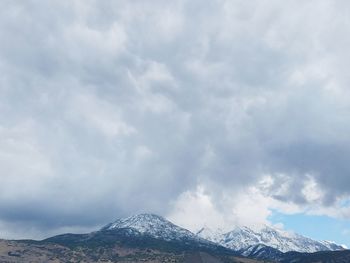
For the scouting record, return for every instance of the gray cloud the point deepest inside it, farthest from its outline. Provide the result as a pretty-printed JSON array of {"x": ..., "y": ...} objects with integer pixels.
[{"x": 117, "y": 107}]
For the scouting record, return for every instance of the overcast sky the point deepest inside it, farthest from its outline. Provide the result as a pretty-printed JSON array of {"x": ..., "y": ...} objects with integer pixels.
[{"x": 206, "y": 112}]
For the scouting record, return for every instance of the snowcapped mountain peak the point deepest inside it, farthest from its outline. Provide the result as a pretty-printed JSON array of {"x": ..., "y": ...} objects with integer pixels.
[
  {"x": 140, "y": 222},
  {"x": 241, "y": 238},
  {"x": 152, "y": 225}
]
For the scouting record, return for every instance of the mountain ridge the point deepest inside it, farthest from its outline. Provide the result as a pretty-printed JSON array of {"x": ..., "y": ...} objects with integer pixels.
[
  {"x": 238, "y": 239},
  {"x": 241, "y": 238}
]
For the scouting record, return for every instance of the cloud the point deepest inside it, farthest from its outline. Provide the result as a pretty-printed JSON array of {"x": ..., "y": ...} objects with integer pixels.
[
  {"x": 195, "y": 209},
  {"x": 117, "y": 107},
  {"x": 99, "y": 115}
]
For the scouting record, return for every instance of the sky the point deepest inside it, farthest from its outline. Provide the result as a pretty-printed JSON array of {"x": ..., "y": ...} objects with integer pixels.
[{"x": 217, "y": 113}]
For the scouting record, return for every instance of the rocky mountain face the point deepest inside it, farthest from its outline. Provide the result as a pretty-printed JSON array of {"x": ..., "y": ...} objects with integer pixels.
[{"x": 242, "y": 238}]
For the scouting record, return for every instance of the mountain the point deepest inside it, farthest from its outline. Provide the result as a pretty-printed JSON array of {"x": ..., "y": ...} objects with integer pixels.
[
  {"x": 242, "y": 238},
  {"x": 156, "y": 227},
  {"x": 147, "y": 236},
  {"x": 143, "y": 230}
]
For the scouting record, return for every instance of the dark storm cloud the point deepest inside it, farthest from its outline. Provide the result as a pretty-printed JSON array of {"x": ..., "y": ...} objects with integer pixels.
[{"x": 116, "y": 107}]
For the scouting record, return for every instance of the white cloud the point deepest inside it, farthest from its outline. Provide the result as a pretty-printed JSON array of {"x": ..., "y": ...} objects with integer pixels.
[
  {"x": 194, "y": 210},
  {"x": 117, "y": 107}
]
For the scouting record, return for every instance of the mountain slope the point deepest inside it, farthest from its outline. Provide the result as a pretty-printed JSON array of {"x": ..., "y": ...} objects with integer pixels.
[{"x": 243, "y": 237}]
